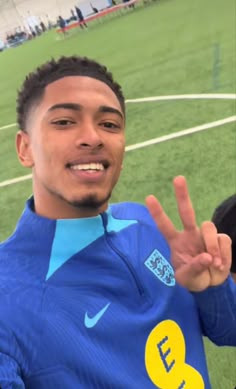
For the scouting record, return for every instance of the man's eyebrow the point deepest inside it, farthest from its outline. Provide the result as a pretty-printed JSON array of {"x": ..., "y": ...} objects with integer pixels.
[
  {"x": 106, "y": 108},
  {"x": 71, "y": 106},
  {"x": 78, "y": 107}
]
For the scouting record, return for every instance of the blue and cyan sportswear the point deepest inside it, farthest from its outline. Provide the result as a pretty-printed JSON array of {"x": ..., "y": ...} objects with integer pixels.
[{"x": 93, "y": 304}]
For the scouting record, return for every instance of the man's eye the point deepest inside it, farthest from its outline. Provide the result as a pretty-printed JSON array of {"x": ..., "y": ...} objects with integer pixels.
[
  {"x": 63, "y": 122},
  {"x": 110, "y": 125}
]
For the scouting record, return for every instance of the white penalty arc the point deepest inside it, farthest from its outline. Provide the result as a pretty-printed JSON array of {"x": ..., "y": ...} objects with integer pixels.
[
  {"x": 206, "y": 96},
  {"x": 202, "y": 96},
  {"x": 149, "y": 142}
]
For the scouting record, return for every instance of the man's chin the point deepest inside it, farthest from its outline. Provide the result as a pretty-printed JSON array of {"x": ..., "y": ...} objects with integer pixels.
[{"x": 90, "y": 202}]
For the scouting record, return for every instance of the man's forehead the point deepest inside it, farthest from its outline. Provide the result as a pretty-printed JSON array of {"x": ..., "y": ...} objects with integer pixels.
[{"x": 72, "y": 86}]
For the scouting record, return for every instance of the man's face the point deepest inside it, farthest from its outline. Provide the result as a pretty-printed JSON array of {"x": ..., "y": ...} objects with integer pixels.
[{"x": 75, "y": 145}]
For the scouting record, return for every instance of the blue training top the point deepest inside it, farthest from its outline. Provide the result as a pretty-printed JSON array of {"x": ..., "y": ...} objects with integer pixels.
[{"x": 93, "y": 304}]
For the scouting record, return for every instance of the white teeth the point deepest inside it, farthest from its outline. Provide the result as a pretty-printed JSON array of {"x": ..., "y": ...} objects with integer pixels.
[{"x": 88, "y": 166}]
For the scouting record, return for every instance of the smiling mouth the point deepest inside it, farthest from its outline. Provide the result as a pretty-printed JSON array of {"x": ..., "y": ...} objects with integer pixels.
[{"x": 89, "y": 167}]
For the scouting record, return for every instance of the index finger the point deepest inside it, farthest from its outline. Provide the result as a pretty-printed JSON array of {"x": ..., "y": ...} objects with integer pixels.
[
  {"x": 161, "y": 219},
  {"x": 185, "y": 207}
]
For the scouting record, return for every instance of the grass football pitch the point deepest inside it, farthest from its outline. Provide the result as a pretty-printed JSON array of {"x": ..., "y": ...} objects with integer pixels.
[{"x": 167, "y": 48}]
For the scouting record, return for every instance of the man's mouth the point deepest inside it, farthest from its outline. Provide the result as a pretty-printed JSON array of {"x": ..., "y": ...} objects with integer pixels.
[{"x": 88, "y": 167}]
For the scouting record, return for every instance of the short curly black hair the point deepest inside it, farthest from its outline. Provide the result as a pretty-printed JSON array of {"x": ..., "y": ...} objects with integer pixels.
[{"x": 33, "y": 87}]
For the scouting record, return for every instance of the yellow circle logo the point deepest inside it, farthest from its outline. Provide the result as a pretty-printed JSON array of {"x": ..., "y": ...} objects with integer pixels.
[{"x": 165, "y": 359}]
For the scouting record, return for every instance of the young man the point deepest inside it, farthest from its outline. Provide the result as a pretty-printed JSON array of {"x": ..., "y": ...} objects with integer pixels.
[
  {"x": 88, "y": 295},
  {"x": 62, "y": 24},
  {"x": 224, "y": 219},
  {"x": 80, "y": 17}
]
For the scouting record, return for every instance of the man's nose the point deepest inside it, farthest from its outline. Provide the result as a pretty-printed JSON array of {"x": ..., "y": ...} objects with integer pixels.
[{"x": 89, "y": 136}]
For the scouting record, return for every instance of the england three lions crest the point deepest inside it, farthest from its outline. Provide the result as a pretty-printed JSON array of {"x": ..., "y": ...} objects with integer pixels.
[{"x": 161, "y": 268}]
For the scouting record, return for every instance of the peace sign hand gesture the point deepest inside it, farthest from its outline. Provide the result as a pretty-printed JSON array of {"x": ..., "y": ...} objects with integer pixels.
[{"x": 200, "y": 256}]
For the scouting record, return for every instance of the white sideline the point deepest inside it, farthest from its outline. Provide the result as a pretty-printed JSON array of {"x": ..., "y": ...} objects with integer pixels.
[
  {"x": 219, "y": 96},
  {"x": 150, "y": 142}
]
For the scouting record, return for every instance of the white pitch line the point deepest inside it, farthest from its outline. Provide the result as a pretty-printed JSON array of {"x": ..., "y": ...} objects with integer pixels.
[
  {"x": 7, "y": 126},
  {"x": 15, "y": 180},
  {"x": 219, "y": 96},
  {"x": 178, "y": 134},
  {"x": 150, "y": 142}
]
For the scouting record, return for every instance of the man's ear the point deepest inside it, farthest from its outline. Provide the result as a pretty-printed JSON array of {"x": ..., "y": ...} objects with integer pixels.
[{"x": 23, "y": 148}]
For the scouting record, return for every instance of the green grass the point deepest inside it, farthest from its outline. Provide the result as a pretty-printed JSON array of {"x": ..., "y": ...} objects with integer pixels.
[{"x": 168, "y": 48}]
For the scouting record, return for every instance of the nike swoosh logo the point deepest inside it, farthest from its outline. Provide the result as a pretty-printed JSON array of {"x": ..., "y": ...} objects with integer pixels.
[{"x": 90, "y": 322}]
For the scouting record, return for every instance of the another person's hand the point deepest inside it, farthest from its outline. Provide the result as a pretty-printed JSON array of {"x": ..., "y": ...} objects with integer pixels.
[{"x": 200, "y": 257}]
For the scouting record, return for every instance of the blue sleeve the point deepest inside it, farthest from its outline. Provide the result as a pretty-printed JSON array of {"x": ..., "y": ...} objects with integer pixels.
[
  {"x": 217, "y": 310},
  {"x": 10, "y": 375}
]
